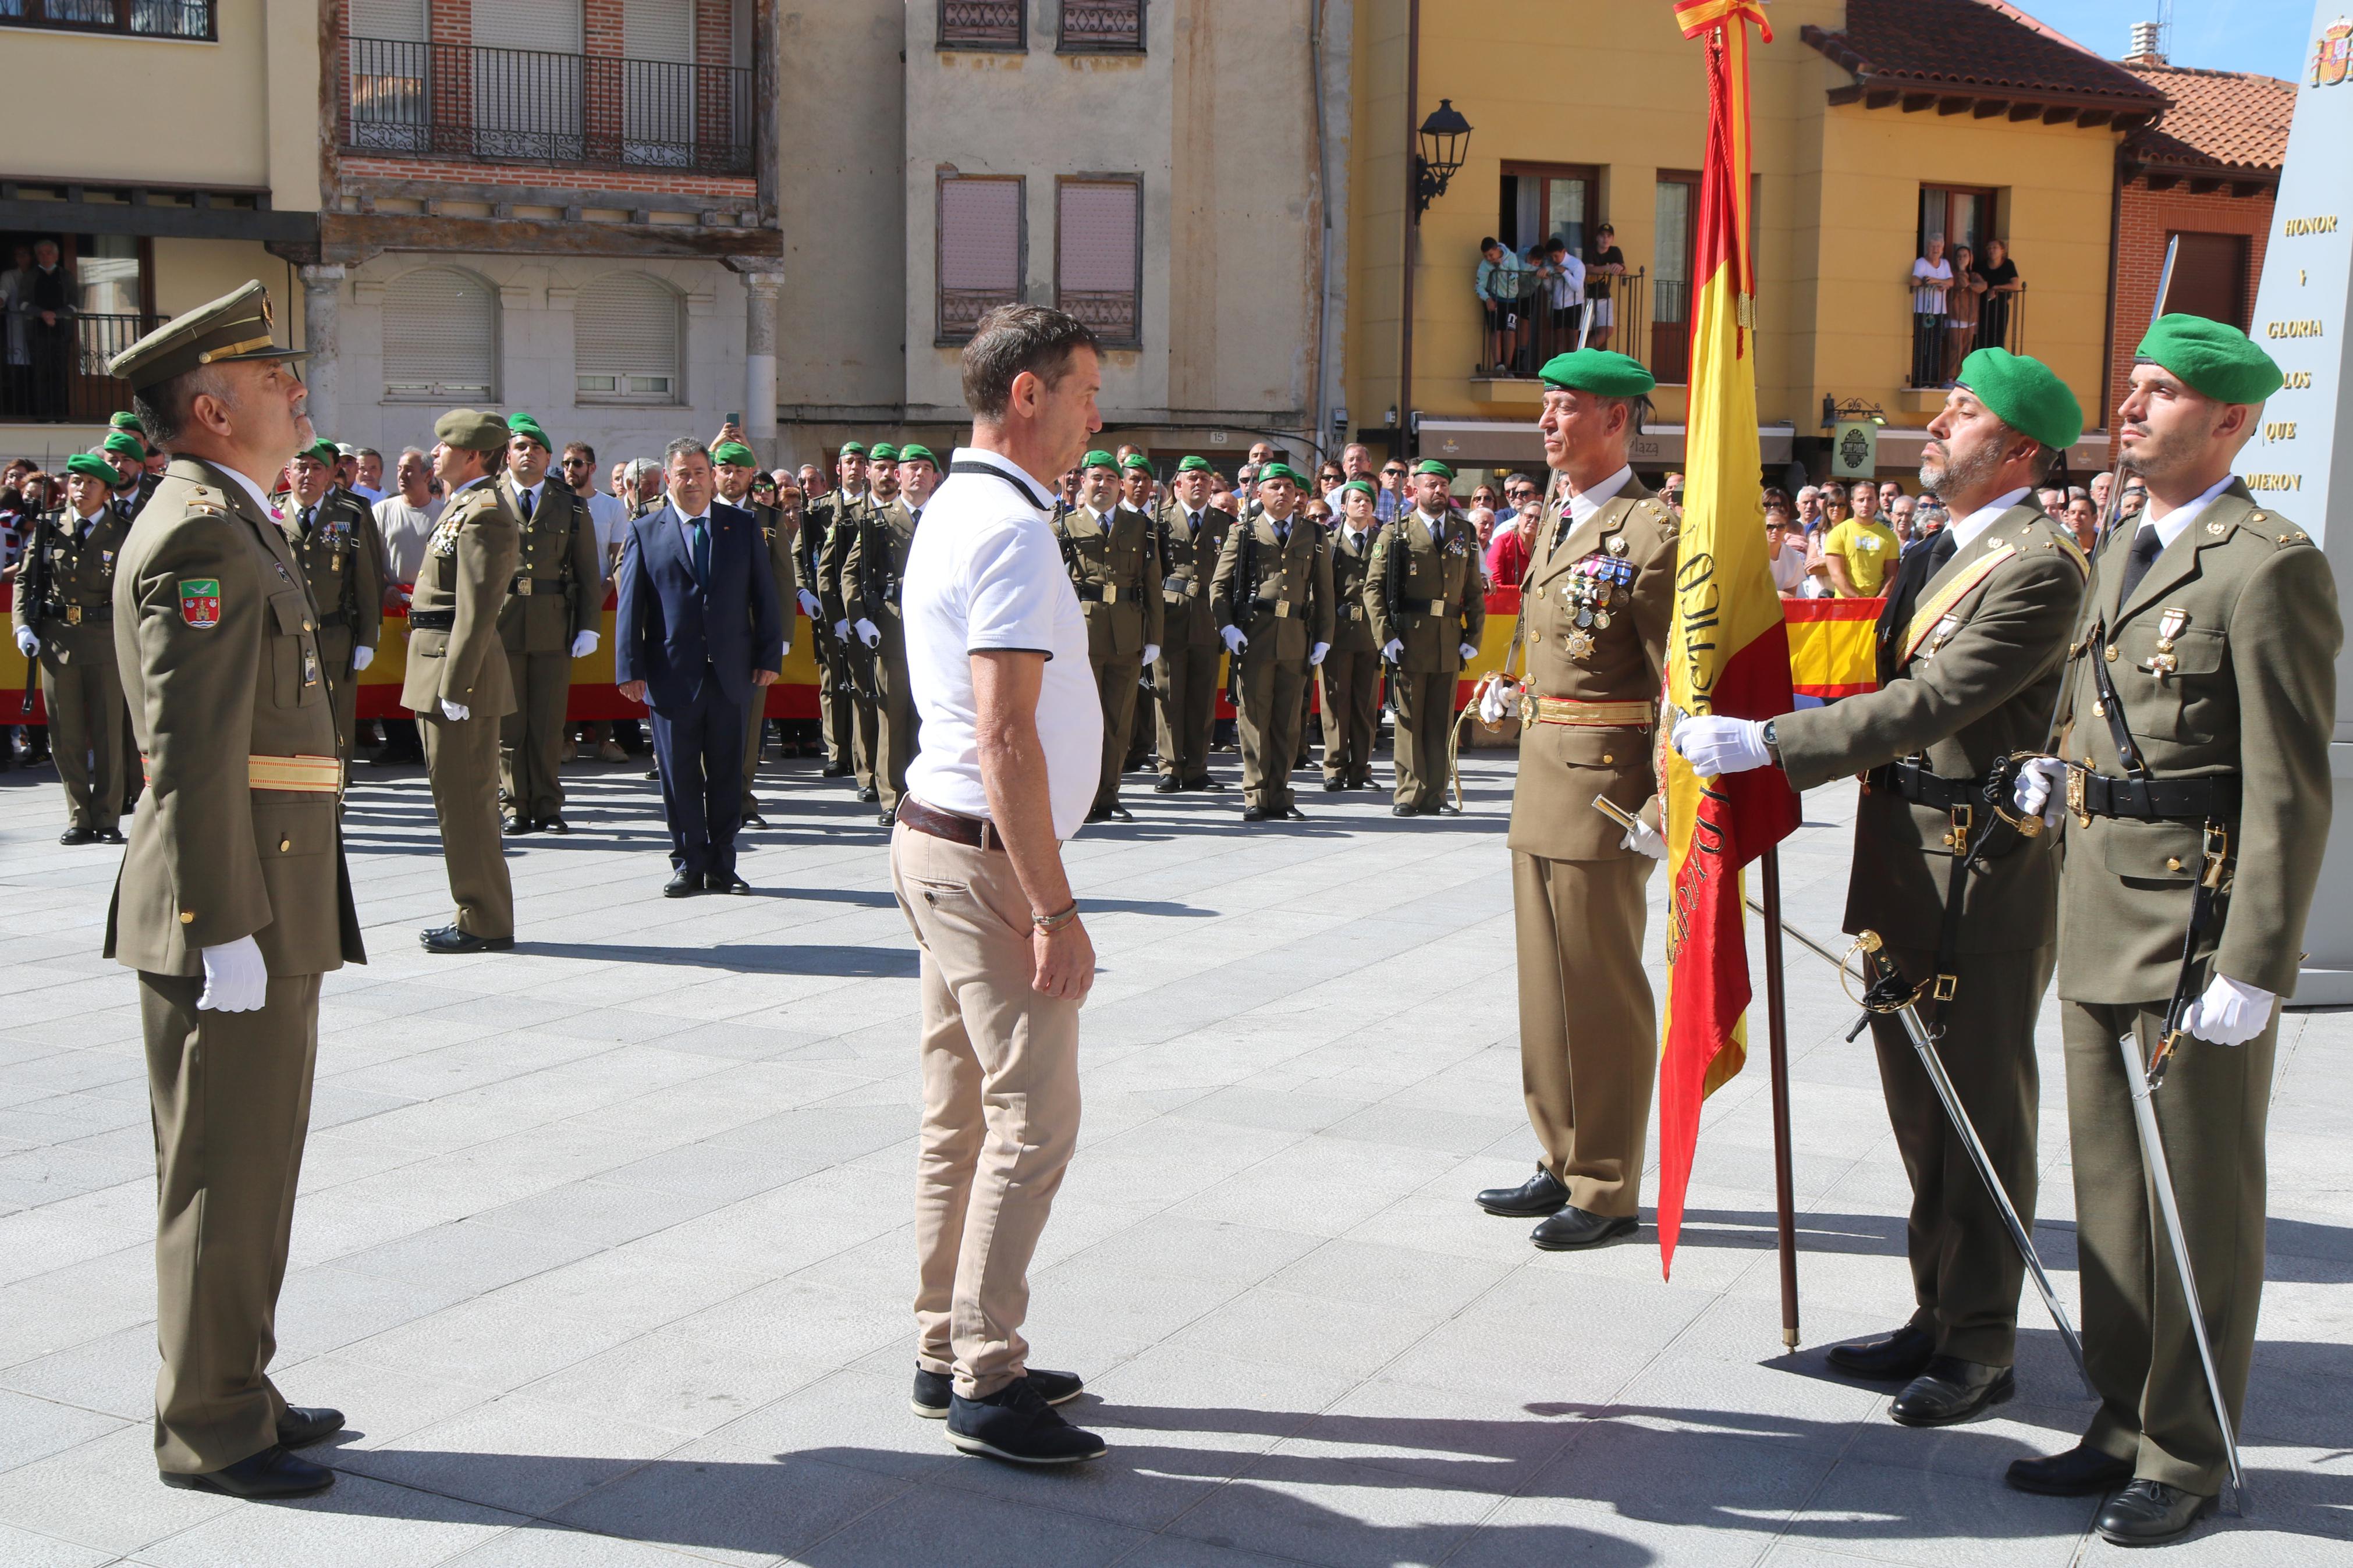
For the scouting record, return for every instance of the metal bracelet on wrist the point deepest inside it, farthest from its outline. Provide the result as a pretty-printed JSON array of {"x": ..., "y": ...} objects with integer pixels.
[{"x": 1046, "y": 925}]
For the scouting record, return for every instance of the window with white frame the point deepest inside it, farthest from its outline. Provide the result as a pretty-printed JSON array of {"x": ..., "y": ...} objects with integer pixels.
[
  {"x": 626, "y": 340},
  {"x": 440, "y": 337}
]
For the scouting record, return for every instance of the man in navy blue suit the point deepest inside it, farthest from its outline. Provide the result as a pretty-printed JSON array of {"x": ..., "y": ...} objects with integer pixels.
[{"x": 699, "y": 630}]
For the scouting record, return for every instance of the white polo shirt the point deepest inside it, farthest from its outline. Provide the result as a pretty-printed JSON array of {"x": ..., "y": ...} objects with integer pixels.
[{"x": 986, "y": 572}]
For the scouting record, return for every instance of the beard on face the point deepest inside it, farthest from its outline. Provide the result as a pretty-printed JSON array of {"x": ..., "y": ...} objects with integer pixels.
[{"x": 1963, "y": 474}]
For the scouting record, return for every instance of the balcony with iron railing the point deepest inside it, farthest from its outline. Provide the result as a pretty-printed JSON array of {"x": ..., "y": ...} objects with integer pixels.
[
  {"x": 62, "y": 377},
  {"x": 460, "y": 101},
  {"x": 1614, "y": 312},
  {"x": 136, "y": 19},
  {"x": 1975, "y": 319}
]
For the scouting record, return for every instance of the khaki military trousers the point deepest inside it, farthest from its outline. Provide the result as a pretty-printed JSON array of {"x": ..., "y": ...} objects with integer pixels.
[
  {"x": 1273, "y": 690},
  {"x": 1117, "y": 685},
  {"x": 230, "y": 1094},
  {"x": 1000, "y": 1068},
  {"x": 755, "y": 725},
  {"x": 86, "y": 712},
  {"x": 1351, "y": 694},
  {"x": 897, "y": 731},
  {"x": 850, "y": 724},
  {"x": 461, "y": 759},
  {"x": 1425, "y": 719},
  {"x": 1965, "y": 1272},
  {"x": 1185, "y": 709},
  {"x": 531, "y": 739},
  {"x": 342, "y": 689},
  {"x": 1589, "y": 1028},
  {"x": 2155, "y": 1412}
]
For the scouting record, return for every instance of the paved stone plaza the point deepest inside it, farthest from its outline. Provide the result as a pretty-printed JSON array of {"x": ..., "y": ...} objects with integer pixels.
[{"x": 605, "y": 1243}]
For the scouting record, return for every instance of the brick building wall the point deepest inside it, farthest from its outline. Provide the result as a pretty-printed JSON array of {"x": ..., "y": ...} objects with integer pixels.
[
  {"x": 728, "y": 193},
  {"x": 2145, "y": 218}
]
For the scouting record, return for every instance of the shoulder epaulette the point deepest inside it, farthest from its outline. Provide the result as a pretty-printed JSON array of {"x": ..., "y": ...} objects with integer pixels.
[
  {"x": 203, "y": 501},
  {"x": 2275, "y": 529}
]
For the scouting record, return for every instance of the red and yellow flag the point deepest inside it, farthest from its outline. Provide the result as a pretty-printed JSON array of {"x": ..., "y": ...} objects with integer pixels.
[{"x": 1727, "y": 650}]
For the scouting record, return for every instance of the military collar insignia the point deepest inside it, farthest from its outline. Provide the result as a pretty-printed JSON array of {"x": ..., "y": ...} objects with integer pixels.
[
  {"x": 1617, "y": 544},
  {"x": 2217, "y": 528}
]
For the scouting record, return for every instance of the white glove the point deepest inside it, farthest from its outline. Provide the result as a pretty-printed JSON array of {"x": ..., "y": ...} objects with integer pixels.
[
  {"x": 454, "y": 710},
  {"x": 2230, "y": 1014},
  {"x": 810, "y": 607},
  {"x": 1393, "y": 649},
  {"x": 841, "y": 631},
  {"x": 362, "y": 657},
  {"x": 868, "y": 633},
  {"x": 1315, "y": 654},
  {"x": 2038, "y": 790},
  {"x": 1644, "y": 838},
  {"x": 1235, "y": 641},
  {"x": 1151, "y": 653},
  {"x": 27, "y": 643},
  {"x": 584, "y": 643},
  {"x": 1499, "y": 700},
  {"x": 1715, "y": 747},
  {"x": 1468, "y": 650},
  {"x": 236, "y": 978}
]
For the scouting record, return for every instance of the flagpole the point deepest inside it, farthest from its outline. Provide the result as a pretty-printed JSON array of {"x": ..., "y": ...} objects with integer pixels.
[{"x": 1777, "y": 1024}]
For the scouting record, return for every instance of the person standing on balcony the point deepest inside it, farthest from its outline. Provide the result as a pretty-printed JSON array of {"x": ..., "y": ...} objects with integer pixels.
[
  {"x": 49, "y": 303},
  {"x": 1964, "y": 302},
  {"x": 1602, "y": 271},
  {"x": 1930, "y": 282},
  {"x": 2002, "y": 283},
  {"x": 1497, "y": 285}
]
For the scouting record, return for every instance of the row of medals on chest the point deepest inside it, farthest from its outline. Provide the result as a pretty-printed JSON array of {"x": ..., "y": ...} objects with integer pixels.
[{"x": 1593, "y": 585}]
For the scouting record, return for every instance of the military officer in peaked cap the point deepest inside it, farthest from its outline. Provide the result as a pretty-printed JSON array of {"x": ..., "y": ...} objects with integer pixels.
[
  {"x": 233, "y": 899},
  {"x": 64, "y": 614},
  {"x": 458, "y": 682},
  {"x": 549, "y": 617},
  {"x": 1188, "y": 534},
  {"x": 1964, "y": 900},
  {"x": 335, "y": 537},
  {"x": 1427, "y": 593},
  {"x": 2191, "y": 784},
  {"x": 1593, "y": 630}
]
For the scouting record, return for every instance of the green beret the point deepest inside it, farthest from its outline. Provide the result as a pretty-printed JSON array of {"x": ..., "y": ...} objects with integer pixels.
[
  {"x": 1098, "y": 459},
  {"x": 524, "y": 424},
  {"x": 1602, "y": 371},
  {"x": 883, "y": 452},
  {"x": 911, "y": 453},
  {"x": 1192, "y": 466},
  {"x": 1272, "y": 469},
  {"x": 128, "y": 445},
  {"x": 853, "y": 448},
  {"x": 90, "y": 467},
  {"x": 1366, "y": 486},
  {"x": 468, "y": 430},
  {"x": 321, "y": 451},
  {"x": 732, "y": 452},
  {"x": 2025, "y": 395},
  {"x": 2218, "y": 361},
  {"x": 1432, "y": 466},
  {"x": 127, "y": 420},
  {"x": 236, "y": 326},
  {"x": 1136, "y": 462}
]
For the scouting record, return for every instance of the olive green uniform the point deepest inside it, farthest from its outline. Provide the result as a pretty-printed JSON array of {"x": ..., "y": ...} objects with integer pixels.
[
  {"x": 1589, "y": 1025},
  {"x": 341, "y": 554},
  {"x": 454, "y": 655},
  {"x": 780, "y": 542},
  {"x": 1115, "y": 569},
  {"x": 1349, "y": 679},
  {"x": 1433, "y": 602},
  {"x": 1292, "y": 611},
  {"x": 557, "y": 592},
  {"x": 217, "y": 641},
  {"x": 852, "y": 722},
  {"x": 1185, "y": 678},
  {"x": 1974, "y": 678},
  {"x": 71, "y": 569},
  {"x": 2223, "y": 658},
  {"x": 871, "y": 575}
]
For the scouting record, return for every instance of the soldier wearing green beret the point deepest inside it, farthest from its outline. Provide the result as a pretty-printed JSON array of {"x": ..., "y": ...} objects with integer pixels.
[
  {"x": 334, "y": 534},
  {"x": 736, "y": 468},
  {"x": 458, "y": 682},
  {"x": 1189, "y": 534},
  {"x": 1427, "y": 596},
  {"x": 1108, "y": 548},
  {"x": 133, "y": 496},
  {"x": 234, "y": 899},
  {"x": 870, "y": 577},
  {"x": 2192, "y": 783},
  {"x": 1964, "y": 900},
  {"x": 1273, "y": 602},
  {"x": 1348, "y": 681},
  {"x": 552, "y": 608},
  {"x": 853, "y": 724},
  {"x": 64, "y": 621}
]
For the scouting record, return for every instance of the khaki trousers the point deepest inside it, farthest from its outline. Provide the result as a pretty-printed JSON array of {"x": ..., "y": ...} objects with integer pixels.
[
  {"x": 1117, "y": 683},
  {"x": 342, "y": 690},
  {"x": 1589, "y": 1028},
  {"x": 531, "y": 739},
  {"x": 1966, "y": 1273},
  {"x": 851, "y": 727},
  {"x": 1000, "y": 1067},
  {"x": 756, "y": 723},
  {"x": 84, "y": 699},
  {"x": 1425, "y": 713},
  {"x": 1351, "y": 701},
  {"x": 230, "y": 1094},
  {"x": 897, "y": 732},
  {"x": 461, "y": 759},
  {"x": 1185, "y": 705},
  {"x": 2211, "y": 1113},
  {"x": 1272, "y": 690}
]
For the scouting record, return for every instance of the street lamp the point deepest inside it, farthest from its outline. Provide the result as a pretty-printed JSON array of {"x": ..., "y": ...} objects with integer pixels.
[
  {"x": 1837, "y": 408},
  {"x": 1445, "y": 141}
]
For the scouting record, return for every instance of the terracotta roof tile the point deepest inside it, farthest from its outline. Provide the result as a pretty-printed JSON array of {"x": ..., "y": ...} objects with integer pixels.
[
  {"x": 2224, "y": 119},
  {"x": 1982, "y": 47}
]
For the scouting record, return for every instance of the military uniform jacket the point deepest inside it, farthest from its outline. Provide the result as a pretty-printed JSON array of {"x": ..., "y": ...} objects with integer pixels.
[
  {"x": 781, "y": 562},
  {"x": 841, "y": 518},
  {"x": 1978, "y": 672},
  {"x": 65, "y": 584},
  {"x": 877, "y": 561},
  {"x": 1564, "y": 766},
  {"x": 134, "y": 501},
  {"x": 467, "y": 565},
  {"x": 1441, "y": 595},
  {"x": 2224, "y": 661},
  {"x": 218, "y": 646},
  {"x": 1116, "y": 568},
  {"x": 341, "y": 556},
  {"x": 558, "y": 589},
  {"x": 1188, "y": 561},
  {"x": 1352, "y": 616},
  {"x": 1293, "y": 609}
]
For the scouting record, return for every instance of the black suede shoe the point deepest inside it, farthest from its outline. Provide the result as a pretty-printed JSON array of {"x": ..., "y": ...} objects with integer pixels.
[
  {"x": 1017, "y": 1424},
  {"x": 299, "y": 1427},
  {"x": 1572, "y": 1228},
  {"x": 682, "y": 885},
  {"x": 1167, "y": 785},
  {"x": 2078, "y": 1472},
  {"x": 2151, "y": 1513},
  {"x": 1540, "y": 1194},
  {"x": 933, "y": 1389},
  {"x": 450, "y": 939},
  {"x": 1898, "y": 1357},
  {"x": 272, "y": 1473},
  {"x": 1950, "y": 1390}
]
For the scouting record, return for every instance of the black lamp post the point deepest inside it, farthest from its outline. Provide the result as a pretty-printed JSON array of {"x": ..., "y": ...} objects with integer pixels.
[{"x": 1445, "y": 142}]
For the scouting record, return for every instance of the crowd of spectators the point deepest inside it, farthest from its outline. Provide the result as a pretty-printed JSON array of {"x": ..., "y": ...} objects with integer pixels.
[{"x": 1536, "y": 303}]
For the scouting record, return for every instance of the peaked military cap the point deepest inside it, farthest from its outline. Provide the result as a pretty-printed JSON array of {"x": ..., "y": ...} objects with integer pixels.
[
  {"x": 2217, "y": 359},
  {"x": 732, "y": 452},
  {"x": 2025, "y": 395},
  {"x": 911, "y": 453},
  {"x": 92, "y": 468},
  {"x": 469, "y": 430},
  {"x": 1603, "y": 370},
  {"x": 236, "y": 326},
  {"x": 1192, "y": 466},
  {"x": 524, "y": 424},
  {"x": 1098, "y": 459}
]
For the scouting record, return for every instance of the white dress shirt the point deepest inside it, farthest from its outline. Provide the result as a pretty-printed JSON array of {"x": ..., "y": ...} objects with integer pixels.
[
  {"x": 1583, "y": 504},
  {"x": 2175, "y": 523},
  {"x": 1964, "y": 530}
]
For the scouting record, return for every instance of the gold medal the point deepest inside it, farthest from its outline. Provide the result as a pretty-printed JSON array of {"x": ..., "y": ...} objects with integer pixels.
[{"x": 1579, "y": 643}]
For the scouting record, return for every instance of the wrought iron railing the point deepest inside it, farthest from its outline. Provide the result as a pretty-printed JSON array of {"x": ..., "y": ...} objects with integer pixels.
[
  {"x": 140, "y": 18},
  {"x": 983, "y": 25},
  {"x": 62, "y": 377},
  {"x": 962, "y": 309},
  {"x": 1102, "y": 26},
  {"x": 1111, "y": 312},
  {"x": 1546, "y": 325},
  {"x": 526, "y": 106},
  {"x": 1939, "y": 343}
]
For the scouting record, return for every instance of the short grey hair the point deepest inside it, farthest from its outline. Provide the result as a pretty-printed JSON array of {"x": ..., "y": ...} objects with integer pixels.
[{"x": 163, "y": 408}]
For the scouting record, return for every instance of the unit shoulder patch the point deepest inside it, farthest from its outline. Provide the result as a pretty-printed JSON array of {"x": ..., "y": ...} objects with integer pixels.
[{"x": 200, "y": 602}]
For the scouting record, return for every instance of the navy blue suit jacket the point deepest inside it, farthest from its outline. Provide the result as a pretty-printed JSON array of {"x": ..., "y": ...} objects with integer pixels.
[{"x": 671, "y": 629}]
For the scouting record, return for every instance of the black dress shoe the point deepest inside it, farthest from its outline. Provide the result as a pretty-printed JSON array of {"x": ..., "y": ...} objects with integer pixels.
[
  {"x": 869, "y": 795},
  {"x": 1097, "y": 813},
  {"x": 682, "y": 885},
  {"x": 450, "y": 939},
  {"x": 1405, "y": 811},
  {"x": 833, "y": 771},
  {"x": 1572, "y": 1228},
  {"x": 2079, "y": 1472},
  {"x": 1539, "y": 1196},
  {"x": 1950, "y": 1390},
  {"x": 726, "y": 882},
  {"x": 887, "y": 817},
  {"x": 1167, "y": 785},
  {"x": 1253, "y": 814},
  {"x": 1203, "y": 781},
  {"x": 553, "y": 824},
  {"x": 754, "y": 820},
  {"x": 934, "y": 1389},
  {"x": 1017, "y": 1424},
  {"x": 2151, "y": 1513},
  {"x": 107, "y": 836},
  {"x": 1898, "y": 1357},
  {"x": 77, "y": 835},
  {"x": 1447, "y": 808},
  {"x": 300, "y": 1428},
  {"x": 514, "y": 824},
  {"x": 1334, "y": 786},
  {"x": 1121, "y": 814},
  {"x": 272, "y": 1473},
  {"x": 1292, "y": 813}
]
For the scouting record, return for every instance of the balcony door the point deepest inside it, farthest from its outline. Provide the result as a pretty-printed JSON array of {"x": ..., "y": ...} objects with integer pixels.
[
  {"x": 524, "y": 80},
  {"x": 1670, "y": 284},
  {"x": 657, "y": 81},
  {"x": 390, "y": 76}
]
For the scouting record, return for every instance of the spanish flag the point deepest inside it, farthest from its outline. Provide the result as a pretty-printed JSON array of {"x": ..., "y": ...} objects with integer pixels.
[{"x": 1727, "y": 650}]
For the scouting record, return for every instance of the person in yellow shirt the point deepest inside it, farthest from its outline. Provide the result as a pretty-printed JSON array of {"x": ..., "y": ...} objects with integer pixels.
[{"x": 1860, "y": 551}]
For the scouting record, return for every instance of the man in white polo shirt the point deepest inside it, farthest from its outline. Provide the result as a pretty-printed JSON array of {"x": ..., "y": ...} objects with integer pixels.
[{"x": 1011, "y": 753}]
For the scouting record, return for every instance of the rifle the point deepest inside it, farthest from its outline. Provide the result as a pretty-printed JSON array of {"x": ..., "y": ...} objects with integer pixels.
[
  {"x": 1393, "y": 579},
  {"x": 32, "y": 580}
]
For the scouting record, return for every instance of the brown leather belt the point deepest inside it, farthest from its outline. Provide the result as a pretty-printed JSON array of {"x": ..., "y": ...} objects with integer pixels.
[
  {"x": 974, "y": 832},
  {"x": 1631, "y": 715}
]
